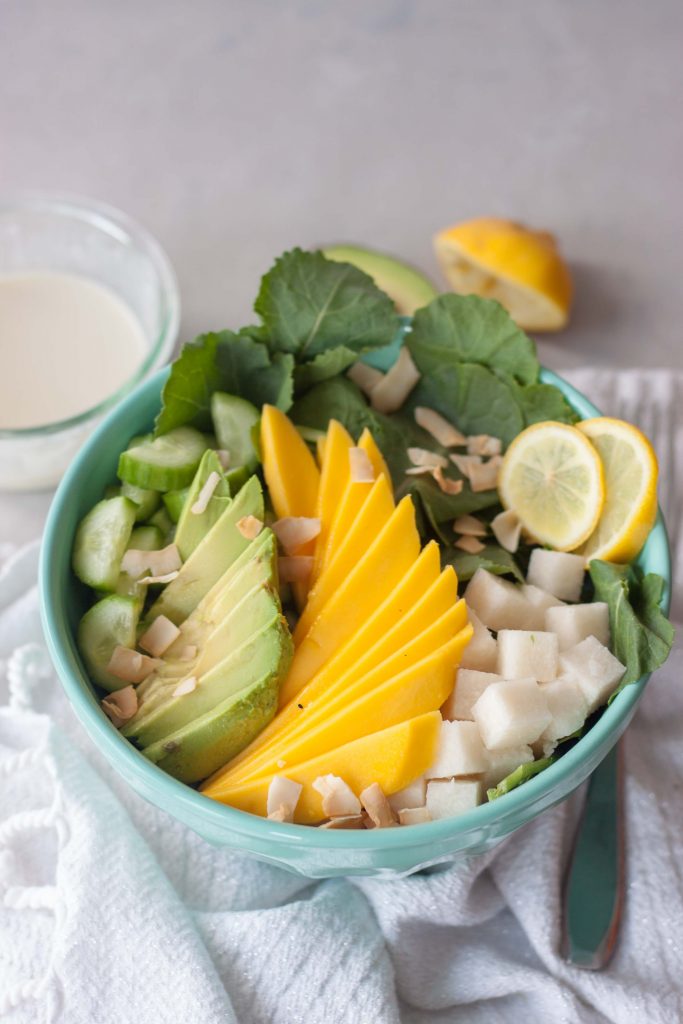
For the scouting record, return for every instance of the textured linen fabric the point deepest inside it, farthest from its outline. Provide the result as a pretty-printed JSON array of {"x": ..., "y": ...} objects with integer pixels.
[{"x": 112, "y": 912}]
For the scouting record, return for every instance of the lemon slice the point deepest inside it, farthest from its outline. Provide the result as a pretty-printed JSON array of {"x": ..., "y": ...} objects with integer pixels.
[
  {"x": 552, "y": 478},
  {"x": 630, "y": 469},
  {"x": 520, "y": 267}
]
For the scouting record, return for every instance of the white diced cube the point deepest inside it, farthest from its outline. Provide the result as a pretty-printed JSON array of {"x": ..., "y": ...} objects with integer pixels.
[
  {"x": 482, "y": 651},
  {"x": 498, "y": 603},
  {"x": 460, "y": 752},
  {"x": 527, "y": 653},
  {"x": 502, "y": 762},
  {"x": 567, "y": 705},
  {"x": 469, "y": 686},
  {"x": 413, "y": 795},
  {"x": 512, "y": 713},
  {"x": 557, "y": 572},
  {"x": 540, "y": 601},
  {"x": 413, "y": 816},
  {"x": 594, "y": 668},
  {"x": 573, "y": 623},
  {"x": 454, "y": 796}
]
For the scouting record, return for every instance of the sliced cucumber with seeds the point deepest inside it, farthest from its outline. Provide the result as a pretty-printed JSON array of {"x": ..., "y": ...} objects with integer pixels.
[
  {"x": 147, "y": 538},
  {"x": 163, "y": 521},
  {"x": 101, "y": 540},
  {"x": 110, "y": 622},
  {"x": 167, "y": 463},
  {"x": 175, "y": 502},
  {"x": 146, "y": 500},
  {"x": 233, "y": 420}
]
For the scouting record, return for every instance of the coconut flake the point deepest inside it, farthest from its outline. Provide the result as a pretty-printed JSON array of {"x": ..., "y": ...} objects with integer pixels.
[
  {"x": 206, "y": 494},
  {"x": 507, "y": 530},
  {"x": 472, "y": 545},
  {"x": 159, "y": 637},
  {"x": 130, "y": 665},
  {"x": 377, "y": 806},
  {"x": 423, "y": 458},
  {"x": 223, "y": 457},
  {"x": 484, "y": 477},
  {"x": 414, "y": 816},
  {"x": 135, "y": 562},
  {"x": 249, "y": 526},
  {"x": 338, "y": 797},
  {"x": 186, "y": 686},
  {"x": 360, "y": 468},
  {"x": 391, "y": 392},
  {"x": 283, "y": 793},
  {"x": 484, "y": 444},
  {"x": 465, "y": 463},
  {"x": 188, "y": 653},
  {"x": 120, "y": 706},
  {"x": 295, "y": 531},
  {"x": 440, "y": 429},
  {"x": 365, "y": 377},
  {"x": 470, "y": 525},
  {"x": 167, "y": 577},
  {"x": 447, "y": 485},
  {"x": 345, "y": 821},
  {"x": 295, "y": 568},
  {"x": 420, "y": 470}
]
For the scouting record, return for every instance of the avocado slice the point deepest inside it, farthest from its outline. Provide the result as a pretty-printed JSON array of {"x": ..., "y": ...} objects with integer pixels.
[
  {"x": 207, "y": 563},
  {"x": 192, "y": 527},
  {"x": 408, "y": 288}
]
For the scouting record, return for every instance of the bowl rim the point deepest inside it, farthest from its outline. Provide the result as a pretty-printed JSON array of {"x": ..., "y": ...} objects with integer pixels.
[
  {"x": 121, "y": 226},
  {"x": 169, "y": 792}
]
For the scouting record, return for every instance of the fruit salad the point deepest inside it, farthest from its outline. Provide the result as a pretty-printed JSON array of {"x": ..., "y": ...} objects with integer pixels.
[{"x": 361, "y": 572}]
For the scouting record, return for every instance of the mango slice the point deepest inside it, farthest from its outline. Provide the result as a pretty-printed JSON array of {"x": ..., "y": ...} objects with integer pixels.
[{"x": 334, "y": 477}]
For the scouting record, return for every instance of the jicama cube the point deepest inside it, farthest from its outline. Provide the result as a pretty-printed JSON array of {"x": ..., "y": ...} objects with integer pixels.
[
  {"x": 557, "y": 572},
  {"x": 460, "y": 751},
  {"x": 573, "y": 623},
  {"x": 414, "y": 816},
  {"x": 469, "y": 686},
  {"x": 482, "y": 651},
  {"x": 594, "y": 668},
  {"x": 498, "y": 603},
  {"x": 445, "y": 799},
  {"x": 526, "y": 653},
  {"x": 512, "y": 713},
  {"x": 540, "y": 601},
  {"x": 502, "y": 762},
  {"x": 567, "y": 705},
  {"x": 413, "y": 795}
]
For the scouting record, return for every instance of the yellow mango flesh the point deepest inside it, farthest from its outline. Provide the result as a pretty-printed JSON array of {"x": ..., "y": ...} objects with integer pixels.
[
  {"x": 363, "y": 525},
  {"x": 393, "y": 757},
  {"x": 333, "y": 479},
  {"x": 367, "y": 442},
  {"x": 421, "y": 596},
  {"x": 418, "y": 679},
  {"x": 383, "y": 566}
]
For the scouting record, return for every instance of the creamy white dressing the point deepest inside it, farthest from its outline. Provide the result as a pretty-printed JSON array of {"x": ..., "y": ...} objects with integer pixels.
[{"x": 66, "y": 344}]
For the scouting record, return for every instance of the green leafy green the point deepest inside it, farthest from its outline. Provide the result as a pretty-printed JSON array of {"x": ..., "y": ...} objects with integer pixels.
[
  {"x": 493, "y": 558},
  {"x": 309, "y": 304},
  {"x": 641, "y": 634},
  {"x": 326, "y": 365},
  {"x": 539, "y": 402},
  {"x": 518, "y": 777}
]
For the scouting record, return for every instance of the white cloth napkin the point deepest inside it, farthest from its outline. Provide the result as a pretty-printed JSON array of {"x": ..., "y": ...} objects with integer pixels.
[{"x": 112, "y": 912}]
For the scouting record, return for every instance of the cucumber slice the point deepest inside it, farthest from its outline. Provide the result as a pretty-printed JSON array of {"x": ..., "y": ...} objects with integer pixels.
[
  {"x": 147, "y": 501},
  {"x": 163, "y": 521},
  {"x": 234, "y": 419},
  {"x": 146, "y": 538},
  {"x": 108, "y": 623},
  {"x": 101, "y": 539},
  {"x": 174, "y": 502},
  {"x": 165, "y": 464},
  {"x": 192, "y": 527}
]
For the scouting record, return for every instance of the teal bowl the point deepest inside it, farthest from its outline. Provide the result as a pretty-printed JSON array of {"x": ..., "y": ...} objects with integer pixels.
[{"x": 316, "y": 853}]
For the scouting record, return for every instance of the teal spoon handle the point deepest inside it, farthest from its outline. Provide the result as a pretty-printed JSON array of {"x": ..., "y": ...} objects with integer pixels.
[{"x": 594, "y": 884}]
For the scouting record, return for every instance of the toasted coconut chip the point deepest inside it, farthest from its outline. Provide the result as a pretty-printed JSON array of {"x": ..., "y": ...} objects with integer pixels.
[
  {"x": 186, "y": 686},
  {"x": 338, "y": 797},
  {"x": 507, "y": 530},
  {"x": 391, "y": 392},
  {"x": 365, "y": 377},
  {"x": 130, "y": 665},
  {"x": 188, "y": 653},
  {"x": 430, "y": 460},
  {"x": 157, "y": 563},
  {"x": 472, "y": 545},
  {"x": 485, "y": 476},
  {"x": 447, "y": 485},
  {"x": 159, "y": 637},
  {"x": 249, "y": 526},
  {"x": 283, "y": 794},
  {"x": 440, "y": 429},
  {"x": 465, "y": 462},
  {"x": 206, "y": 494},
  {"x": 295, "y": 568},
  {"x": 360, "y": 468},
  {"x": 470, "y": 525},
  {"x": 295, "y": 531},
  {"x": 420, "y": 470},
  {"x": 414, "y": 816},
  {"x": 377, "y": 806},
  {"x": 484, "y": 444},
  {"x": 345, "y": 821},
  {"x": 120, "y": 706},
  {"x": 223, "y": 457},
  {"x": 167, "y": 577}
]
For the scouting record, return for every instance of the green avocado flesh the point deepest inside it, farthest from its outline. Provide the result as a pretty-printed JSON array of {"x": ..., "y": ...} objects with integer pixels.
[
  {"x": 408, "y": 288},
  {"x": 193, "y": 527}
]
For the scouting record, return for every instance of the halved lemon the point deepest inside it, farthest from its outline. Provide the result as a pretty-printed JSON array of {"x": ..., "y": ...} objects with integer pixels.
[
  {"x": 630, "y": 470},
  {"x": 520, "y": 267},
  {"x": 552, "y": 477}
]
